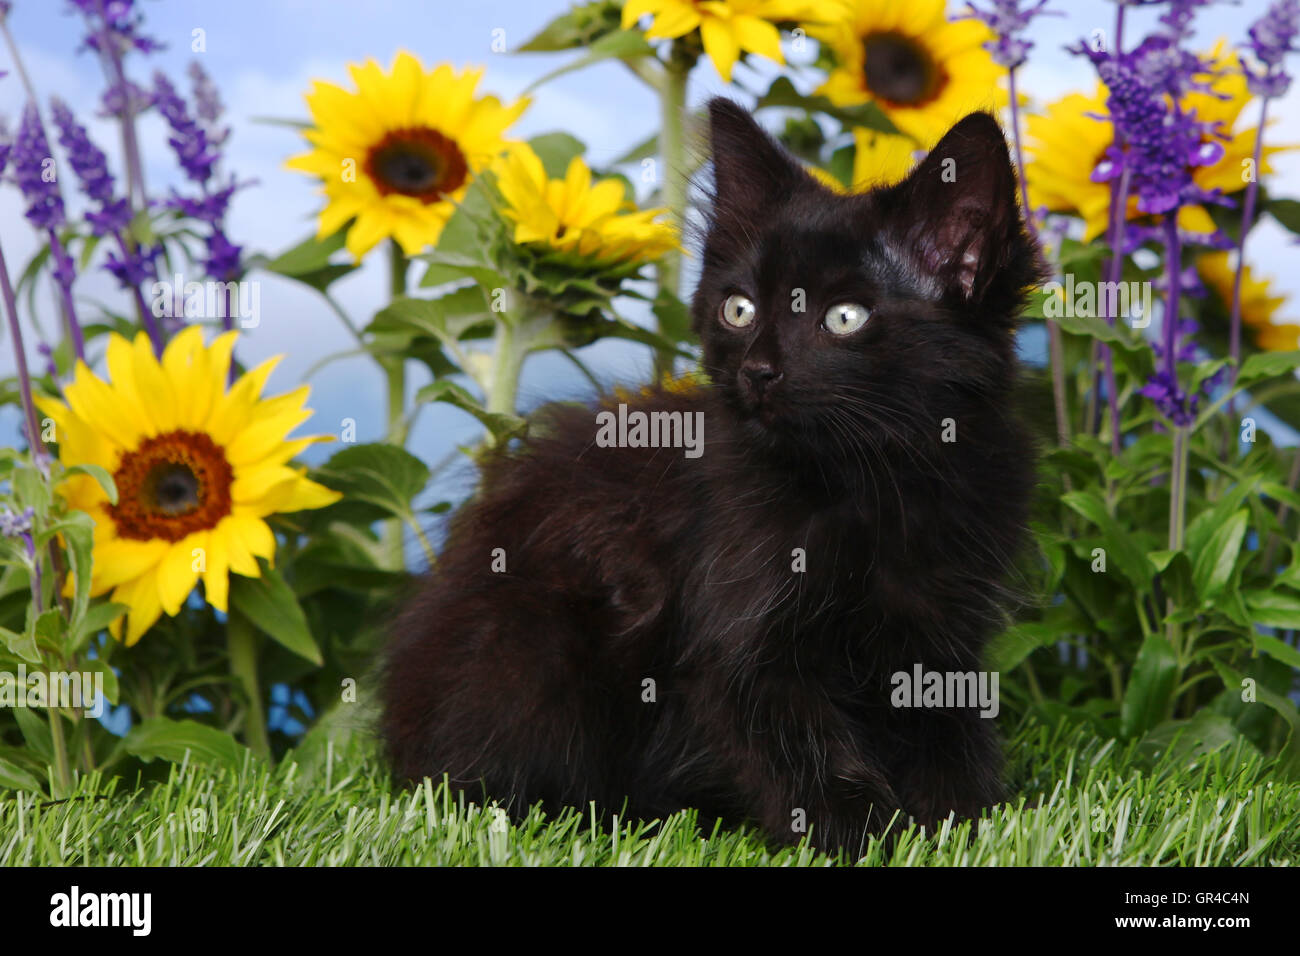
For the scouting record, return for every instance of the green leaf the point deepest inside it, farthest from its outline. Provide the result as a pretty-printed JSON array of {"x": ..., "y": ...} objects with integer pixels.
[
  {"x": 1278, "y": 650},
  {"x": 1212, "y": 565},
  {"x": 111, "y": 688},
  {"x": 1207, "y": 522},
  {"x": 15, "y": 778},
  {"x": 100, "y": 475},
  {"x": 1286, "y": 212},
  {"x": 95, "y": 620},
  {"x": 673, "y": 316},
  {"x": 502, "y": 426},
  {"x": 78, "y": 530},
  {"x": 381, "y": 474},
  {"x": 449, "y": 318},
  {"x": 1099, "y": 329},
  {"x": 1273, "y": 608},
  {"x": 22, "y": 645},
  {"x": 556, "y": 150},
  {"x": 1118, "y": 542},
  {"x": 160, "y": 737},
  {"x": 621, "y": 44},
  {"x": 1016, "y": 643},
  {"x": 1265, "y": 365},
  {"x": 1150, "y": 687},
  {"x": 645, "y": 149},
  {"x": 270, "y": 604},
  {"x": 579, "y": 27},
  {"x": 1289, "y": 757},
  {"x": 310, "y": 255},
  {"x": 36, "y": 732}
]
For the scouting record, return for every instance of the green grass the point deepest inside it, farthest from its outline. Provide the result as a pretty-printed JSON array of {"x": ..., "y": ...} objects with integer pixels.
[{"x": 1080, "y": 801}]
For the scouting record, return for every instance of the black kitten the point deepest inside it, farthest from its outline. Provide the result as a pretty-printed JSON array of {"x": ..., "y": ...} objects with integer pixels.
[{"x": 723, "y": 630}]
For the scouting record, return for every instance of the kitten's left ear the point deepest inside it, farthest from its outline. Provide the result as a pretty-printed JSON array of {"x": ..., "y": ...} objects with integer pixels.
[{"x": 958, "y": 208}]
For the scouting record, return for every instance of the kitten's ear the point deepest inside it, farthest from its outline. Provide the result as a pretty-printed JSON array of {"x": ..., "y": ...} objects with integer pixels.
[
  {"x": 750, "y": 169},
  {"x": 958, "y": 208}
]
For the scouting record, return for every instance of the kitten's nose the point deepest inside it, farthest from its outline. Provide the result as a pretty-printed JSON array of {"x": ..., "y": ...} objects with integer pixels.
[{"x": 760, "y": 375}]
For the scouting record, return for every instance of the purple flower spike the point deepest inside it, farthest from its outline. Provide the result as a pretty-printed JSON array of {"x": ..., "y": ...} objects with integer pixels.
[
  {"x": 115, "y": 27},
  {"x": 190, "y": 141},
  {"x": 1008, "y": 22},
  {"x": 1272, "y": 37},
  {"x": 87, "y": 159},
  {"x": 31, "y": 158}
]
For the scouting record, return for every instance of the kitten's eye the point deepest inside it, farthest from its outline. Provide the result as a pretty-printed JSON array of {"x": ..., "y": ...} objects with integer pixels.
[
  {"x": 846, "y": 317},
  {"x": 738, "y": 311}
]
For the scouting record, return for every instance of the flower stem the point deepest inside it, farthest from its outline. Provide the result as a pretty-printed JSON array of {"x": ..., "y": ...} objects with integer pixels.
[
  {"x": 35, "y": 445},
  {"x": 242, "y": 646},
  {"x": 1247, "y": 214},
  {"x": 672, "y": 159},
  {"x": 69, "y": 310},
  {"x": 1055, "y": 344},
  {"x": 130, "y": 144},
  {"x": 1115, "y": 269},
  {"x": 62, "y": 767},
  {"x": 395, "y": 373},
  {"x": 508, "y": 362}
]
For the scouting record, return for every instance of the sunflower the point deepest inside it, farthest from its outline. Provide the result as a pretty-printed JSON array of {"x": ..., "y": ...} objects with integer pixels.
[
  {"x": 397, "y": 153},
  {"x": 198, "y": 468},
  {"x": 727, "y": 27},
  {"x": 1258, "y": 305},
  {"x": 579, "y": 220},
  {"x": 1067, "y": 142},
  {"x": 922, "y": 69}
]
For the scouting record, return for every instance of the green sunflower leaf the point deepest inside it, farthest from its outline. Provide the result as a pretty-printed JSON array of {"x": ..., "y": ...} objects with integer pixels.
[
  {"x": 502, "y": 426},
  {"x": 379, "y": 474},
  {"x": 100, "y": 475},
  {"x": 270, "y": 604},
  {"x": 165, "y": 739},
  {"x": 556, "y": 150},
  {"x": 620, "y": 44}
]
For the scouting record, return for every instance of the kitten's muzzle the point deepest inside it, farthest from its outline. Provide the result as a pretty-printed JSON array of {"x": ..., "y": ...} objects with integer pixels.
[{"x": 757, "y": 378}]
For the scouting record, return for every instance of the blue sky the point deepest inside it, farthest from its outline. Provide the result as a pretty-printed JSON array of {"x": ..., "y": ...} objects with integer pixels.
[{"x": 263, "y": 55}]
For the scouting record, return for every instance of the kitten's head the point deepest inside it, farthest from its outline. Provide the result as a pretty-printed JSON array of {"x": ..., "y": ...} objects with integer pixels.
[{"x": 828, "y": 320}]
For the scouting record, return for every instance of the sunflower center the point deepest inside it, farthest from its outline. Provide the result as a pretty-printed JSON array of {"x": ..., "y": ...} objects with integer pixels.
[
  {"x": 417, "y": 161},
  {"x": 170, "y": 486},
  {"x": 173, "y": 488},
  {"x": 899, "y": 70}
]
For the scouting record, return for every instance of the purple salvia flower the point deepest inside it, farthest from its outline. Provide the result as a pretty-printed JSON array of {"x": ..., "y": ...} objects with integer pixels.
[
  {"x": 207, "y": 104},
  {"x": 1272, "y": 37},
  {"x": 6, "y": 145},
  {"x": 15, "y": 523},
  {"x": 123, "y": 99},
  {"x": 114, "y": 27},
  {"x": 190, "y": 141},
  {"x": 134, "y": 267},
  {"x": 223, "y": 262},
  {"x": 1171, "y": 398},
  {"x": 1008, "y": 21},
  {"x": 91, "y": 167},
  {"x": 47, "y": 353},
  {"x": 87, "y": 159},
  {"x": 32, "y": 166}
]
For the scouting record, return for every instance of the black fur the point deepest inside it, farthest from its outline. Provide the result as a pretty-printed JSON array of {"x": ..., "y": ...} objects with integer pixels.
[{"x": 625, "y": 564}]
